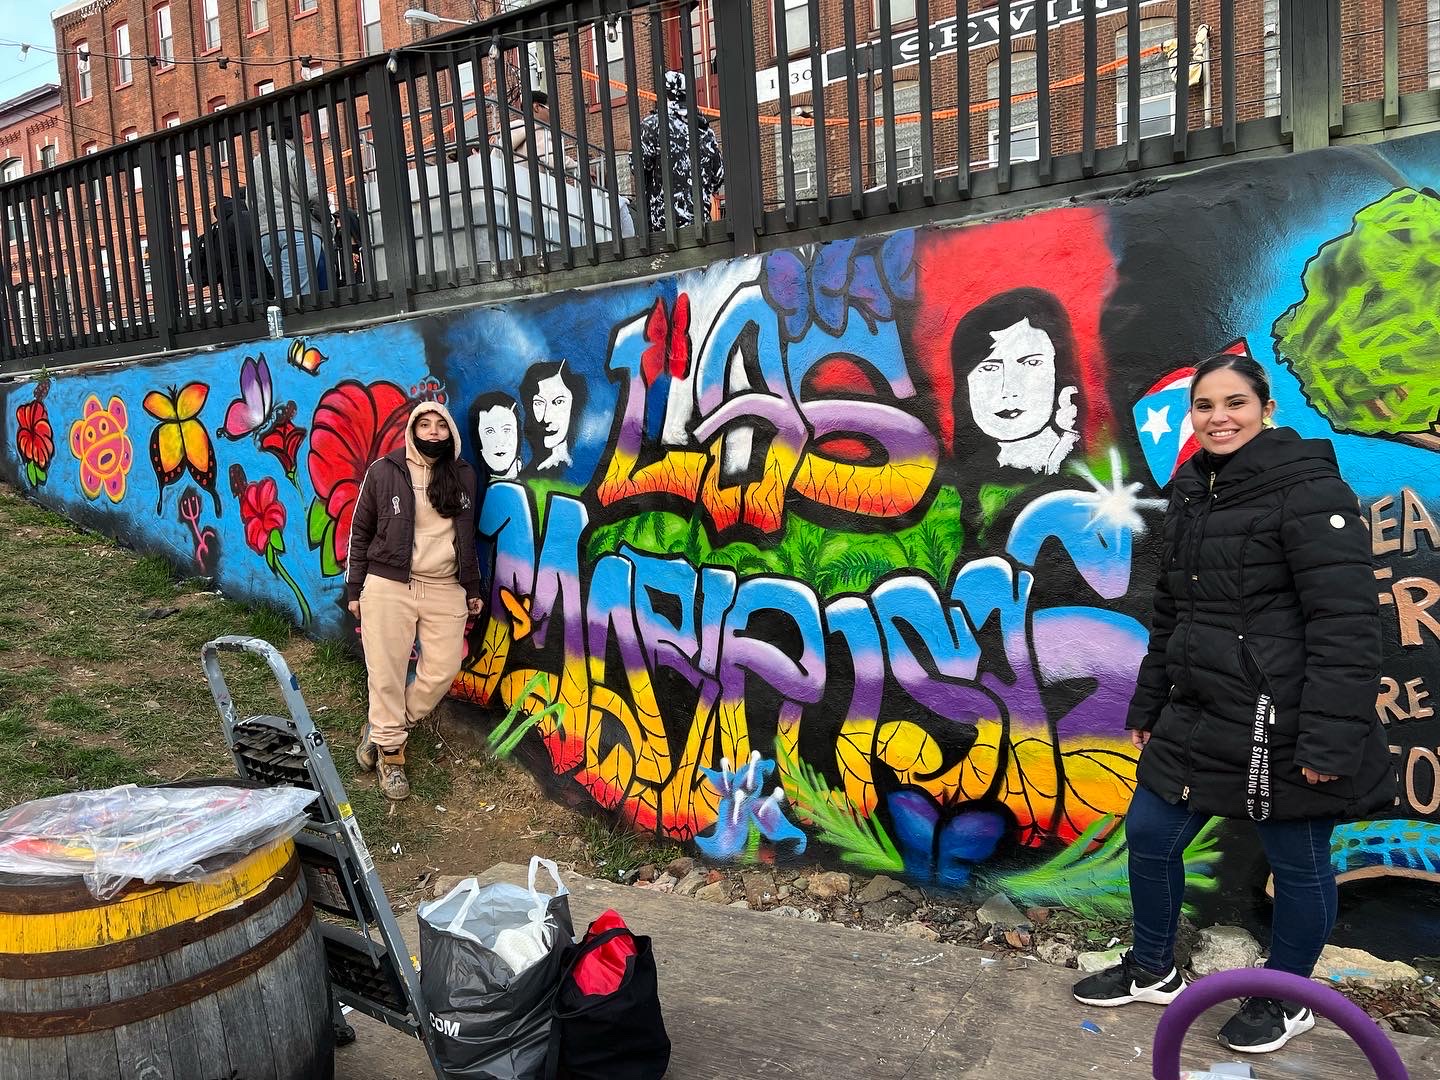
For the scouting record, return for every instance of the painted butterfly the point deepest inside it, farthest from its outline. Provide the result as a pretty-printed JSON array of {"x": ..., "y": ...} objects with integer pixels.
[
  {"x": 306, "y": 357},
  {"x": 180, "y": 441}
]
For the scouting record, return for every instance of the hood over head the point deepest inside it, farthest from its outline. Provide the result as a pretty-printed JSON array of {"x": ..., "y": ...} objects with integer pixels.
[{"x": 412, "y": 452}]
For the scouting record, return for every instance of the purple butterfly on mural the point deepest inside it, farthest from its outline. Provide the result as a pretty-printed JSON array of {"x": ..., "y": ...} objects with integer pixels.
[
  {"x": 938, "y": 847},
  {"x": 254, "y": 414}
]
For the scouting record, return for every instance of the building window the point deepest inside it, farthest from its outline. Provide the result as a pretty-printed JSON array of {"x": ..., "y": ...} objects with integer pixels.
[
  {"x": 311, "y": 70},
  {"x": 222, "y": 146},
  {"x": 210, "y": 14},
  {"x": 907, "y": 133},
  {"x": 1271, "y": 18},
  {"x": 13, "y": 169},
  {"x": 797, "y": 27},
  {"x": 48, "y": 156},
  {"x": 304, "y": 6},
  {"x": 171, "y": 120},
  {"x": 88, "y": 149},
  {"x": 164, "y": 36},
  {"x": 266, "y": 87},
  {"x": 136, "y": 181},
  {"x": 1157, "y": 80},
  {"x": 901, "y": 12},
  {"x": 614, "y": 74},
  {"x": 802, "y": 155},
  {"x": 123, "y": 73},
  {"x": 91, "y": 148},
  {"x": 1432, "y": 22},
  {"x": 1024, "y": 109},
  {"x": 259, "y": 15},
  {"x": 82, "y": 70},
  {"x": 370, "y": 37}
]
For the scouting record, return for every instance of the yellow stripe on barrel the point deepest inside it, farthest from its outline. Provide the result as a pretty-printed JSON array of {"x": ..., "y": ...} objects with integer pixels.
[{"x": 145, "y": 911}]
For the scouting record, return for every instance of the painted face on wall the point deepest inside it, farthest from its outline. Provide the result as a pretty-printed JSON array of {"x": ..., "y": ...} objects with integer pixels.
[
  {"x": 551, "y": 407},
  {"x": 1226, "y": 412},
  {"x": 1012, "y": 390},
  {"x": 499, "y": 436}
]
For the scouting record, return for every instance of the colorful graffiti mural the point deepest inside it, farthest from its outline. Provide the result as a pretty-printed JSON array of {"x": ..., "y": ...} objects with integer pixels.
[{"x": 846, "y": 550}]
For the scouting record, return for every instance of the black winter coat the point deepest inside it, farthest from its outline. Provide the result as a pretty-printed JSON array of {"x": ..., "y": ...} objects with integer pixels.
[{"x": 1265, "y": 646}]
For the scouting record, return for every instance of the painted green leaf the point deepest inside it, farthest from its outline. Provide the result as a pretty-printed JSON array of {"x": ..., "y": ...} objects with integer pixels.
[
  {"x": 1362, "y": 341},
  {"x": 861, "y": 841}
]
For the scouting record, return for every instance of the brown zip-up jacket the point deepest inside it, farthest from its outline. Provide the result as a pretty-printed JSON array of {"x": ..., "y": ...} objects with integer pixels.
[{"x": 382, "y": 531}]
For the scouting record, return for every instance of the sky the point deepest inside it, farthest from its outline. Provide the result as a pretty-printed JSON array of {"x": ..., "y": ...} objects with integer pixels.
[{"x": 26, "y": 20}]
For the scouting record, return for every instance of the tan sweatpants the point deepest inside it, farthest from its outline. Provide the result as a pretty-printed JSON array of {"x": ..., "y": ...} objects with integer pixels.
[{"x": 393, "y": 615}]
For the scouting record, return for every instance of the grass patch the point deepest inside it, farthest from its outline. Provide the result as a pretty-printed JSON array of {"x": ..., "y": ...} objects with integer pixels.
[
  {"x": 39, "y": 766},
  {"x": 269, "y": 623},
  {"x": 79, "y": 713},
  {"x": 76, "y": 640},
  {"x": 150, "y": 577},
  {"x": 616, "y": 852}
]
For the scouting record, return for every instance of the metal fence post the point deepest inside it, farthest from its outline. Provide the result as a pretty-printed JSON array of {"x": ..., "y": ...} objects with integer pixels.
[
  {"x": 739, "y": 127},
  {"x": 161, "y": 243},
  {"x": 1313, "y": 46},
  {"x": 392, "y": 181}
]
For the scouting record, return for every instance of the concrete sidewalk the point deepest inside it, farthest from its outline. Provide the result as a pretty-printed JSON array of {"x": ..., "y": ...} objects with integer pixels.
[{"x": 751, "y": 994}]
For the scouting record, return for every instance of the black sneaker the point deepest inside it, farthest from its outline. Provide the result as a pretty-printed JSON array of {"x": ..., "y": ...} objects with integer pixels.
[
  {"x": 1265, "y": 1024},
  {"x": 1127, "y": 981}
]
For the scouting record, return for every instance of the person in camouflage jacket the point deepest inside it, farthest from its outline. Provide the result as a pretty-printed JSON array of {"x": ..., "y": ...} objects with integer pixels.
[{"x": 676, "y": 124}]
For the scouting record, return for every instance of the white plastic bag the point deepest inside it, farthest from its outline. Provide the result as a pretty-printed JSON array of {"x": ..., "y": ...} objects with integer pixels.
[
  {"x": 117, "y": 835},
  {"x": 509, "y": 921}
]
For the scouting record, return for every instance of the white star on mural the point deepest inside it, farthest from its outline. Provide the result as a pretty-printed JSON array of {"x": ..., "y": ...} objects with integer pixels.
[{"x": 1157, "y": 422}]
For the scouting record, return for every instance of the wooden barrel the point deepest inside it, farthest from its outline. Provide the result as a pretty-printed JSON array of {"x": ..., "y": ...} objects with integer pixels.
[{"x": 198, "y": 981}]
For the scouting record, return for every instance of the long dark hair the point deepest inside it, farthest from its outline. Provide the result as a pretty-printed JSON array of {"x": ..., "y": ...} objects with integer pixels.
[
  {"x": 972, "y": 342},
  {"x": 530, "y": 386},
  {"x": 446, "y": 491},
  {"x": 1247, "y": 367}
]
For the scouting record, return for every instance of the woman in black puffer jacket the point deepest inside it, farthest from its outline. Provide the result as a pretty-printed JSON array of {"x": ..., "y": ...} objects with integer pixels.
[{"x": 1257, "y": 696}]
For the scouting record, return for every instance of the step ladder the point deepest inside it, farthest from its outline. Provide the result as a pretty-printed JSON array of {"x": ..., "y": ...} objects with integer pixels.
[{"x": 370, "y": 966}]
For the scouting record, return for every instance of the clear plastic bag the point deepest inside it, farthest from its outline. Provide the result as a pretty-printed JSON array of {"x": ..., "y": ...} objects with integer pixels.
[{"x": 122, "y": 834}]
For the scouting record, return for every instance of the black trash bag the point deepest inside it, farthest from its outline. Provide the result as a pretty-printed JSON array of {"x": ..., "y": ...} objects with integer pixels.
[
  {"x": 490, "y": 959},
  {"x": 615, "y": 1035}
]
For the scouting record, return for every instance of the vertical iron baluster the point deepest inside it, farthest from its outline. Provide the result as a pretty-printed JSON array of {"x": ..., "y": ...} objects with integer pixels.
[
  {"x": 426, "y": 70},
  {"x": 415, "y": 139},
  {"x": 1134, "y": 65},
  {"x": 1006, "y": 105},
  {"x": 487, "y": 158},
  {"x": 784, "y": 167},
  {"x": 887, "y": 98},
  {"x": 362, "y": 192},
  {"x": 507, "y": 156},
  {"x": 1391, "y": 16},
  {"x": 817, "y": 109},
  {"x": 1182, "y": 80},
  {"x": 462, "y": 161},
  {"x": 1089, "y": 118},
  {"x": 852, "y": 102},
  {"x": 962, "y": 102},
  {"x": 1042, "y": 93},
  {"x": 557, "y": 145},
  {"x": 203, "y": 148},
  {"x": 532, "y": 152},
  {"x": 330, "y": 295},
  {"x": 180, "y": 146},
  {"x": 927, "y": 123},
  {"x": 637, "y": 157},
  {"x": 582, "y": 138},
  {"x": 57, "y": 259},
  {"x": 1227, "y": 74},
  {"x": 701, "y": 220},
  {"x": 607, "y": 138},
  {"x": 662, "y": 102},
  {"x": 125, "y": 211},
  {"x": 82, "y": 253}
]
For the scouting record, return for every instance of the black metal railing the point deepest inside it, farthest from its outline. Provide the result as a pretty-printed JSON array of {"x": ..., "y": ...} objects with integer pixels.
[{"x": 434, "y": 174}]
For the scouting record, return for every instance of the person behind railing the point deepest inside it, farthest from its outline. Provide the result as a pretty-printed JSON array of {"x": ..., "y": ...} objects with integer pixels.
[
  {"x": 294, "y": 251},
  {"x": 226, "y": 254},
  {"x": 538, "y": 105},
  {"x": 349, "y": 243},
  {"x": 682, "y": 159}
]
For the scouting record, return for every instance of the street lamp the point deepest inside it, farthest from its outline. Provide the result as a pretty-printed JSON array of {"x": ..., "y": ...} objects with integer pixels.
[{"x": 416, "y": 17}]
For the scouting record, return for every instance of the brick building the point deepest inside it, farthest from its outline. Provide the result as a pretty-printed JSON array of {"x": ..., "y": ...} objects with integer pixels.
[
  {"x": 32, "y": 132},
  {"x": 130, "y": 67}
]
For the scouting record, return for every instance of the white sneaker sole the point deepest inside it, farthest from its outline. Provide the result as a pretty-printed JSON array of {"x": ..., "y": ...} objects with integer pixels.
[
  {"x": 1301, "y": 1024},
  {"x": 1151, "y": 996}
]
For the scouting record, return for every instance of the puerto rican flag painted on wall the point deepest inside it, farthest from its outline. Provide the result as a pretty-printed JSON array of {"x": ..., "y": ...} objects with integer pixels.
[{"x": 1162, "y": 420}]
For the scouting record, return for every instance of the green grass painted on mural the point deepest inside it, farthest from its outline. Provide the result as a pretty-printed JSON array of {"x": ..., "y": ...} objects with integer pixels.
[
  {"x": 862, "y": 841},
  {"x": 1096, "y": 883},
  {"x": 1362, "y": 342},
  {"x": 833, "y": 561}
]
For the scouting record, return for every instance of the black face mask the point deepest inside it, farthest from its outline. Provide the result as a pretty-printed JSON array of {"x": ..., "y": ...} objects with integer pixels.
[{"x": 435, "y": 449}]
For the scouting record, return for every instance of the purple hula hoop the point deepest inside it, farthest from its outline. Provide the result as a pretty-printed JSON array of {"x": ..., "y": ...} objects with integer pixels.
[{"x": 1263, "y": 982}]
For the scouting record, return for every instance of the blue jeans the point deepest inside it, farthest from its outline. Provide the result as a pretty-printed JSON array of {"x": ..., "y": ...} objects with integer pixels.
[
  {"x": 1299, "y": 852},
  {"x": 307, "y": 275}
]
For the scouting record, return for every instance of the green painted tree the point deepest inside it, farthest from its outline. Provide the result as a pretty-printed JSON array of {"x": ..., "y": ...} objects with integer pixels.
[{"x": 1362, "y": 341}]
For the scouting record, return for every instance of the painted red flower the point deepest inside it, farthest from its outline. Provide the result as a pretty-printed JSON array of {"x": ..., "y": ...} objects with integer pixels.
[
  {"x": 35, "y": 439},
  {"x": 353, "y": 425},
  {"x": 283, "y": 440},
  {"x": 262, "y": 513}
]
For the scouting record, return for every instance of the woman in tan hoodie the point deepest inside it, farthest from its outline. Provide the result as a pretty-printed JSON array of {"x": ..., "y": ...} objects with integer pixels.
[{"x": 412, "y": 575}]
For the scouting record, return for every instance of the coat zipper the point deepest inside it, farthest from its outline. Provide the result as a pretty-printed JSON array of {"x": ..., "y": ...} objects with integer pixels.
[{"x": 1192, "y": 568}]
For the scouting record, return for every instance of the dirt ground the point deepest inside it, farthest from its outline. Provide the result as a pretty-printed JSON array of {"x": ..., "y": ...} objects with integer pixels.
[{"x": 101, "y": 684}]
